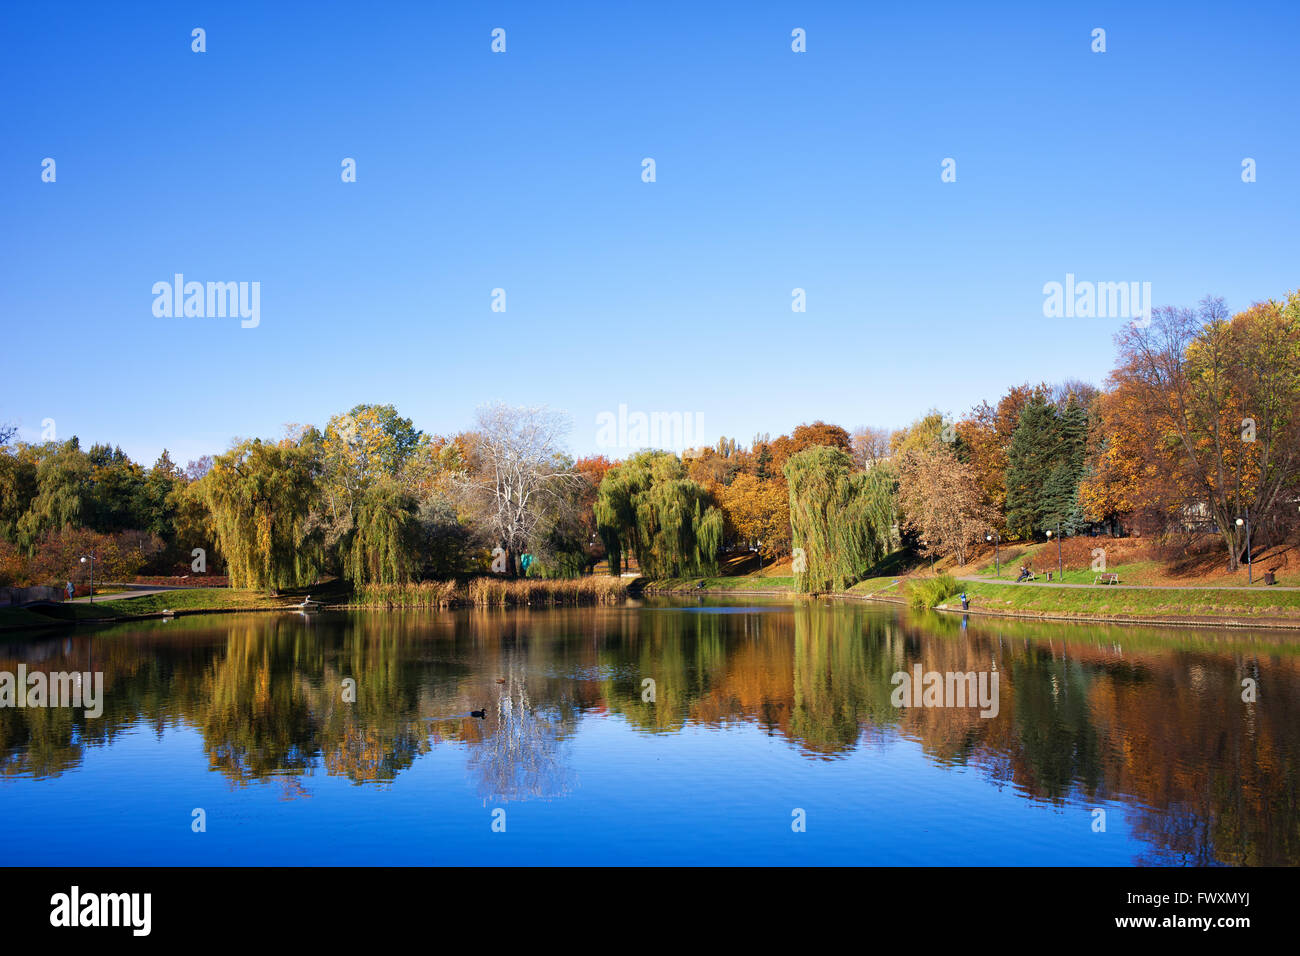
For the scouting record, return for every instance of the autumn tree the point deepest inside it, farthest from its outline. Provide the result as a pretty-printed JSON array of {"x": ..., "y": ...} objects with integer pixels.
[
  {"x": 1128, "y": 479},
  {"x": 759, "y": 512},
  {"x": 870, "y": 446},
  {"x": 942, "y": 501},
  {"x": 358, "y": 450},
  {"x": 923, "y": 433},
  {"x": 1223, "y": 396}
]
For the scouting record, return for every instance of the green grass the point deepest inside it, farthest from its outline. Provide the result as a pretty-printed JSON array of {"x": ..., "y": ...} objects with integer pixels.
[
  {"x": 888, "y": 586},
  {"x": 180, "y": 600},
  {"x": 1119, "y": 602},
  {"x": 1132, "y": 572},
  {"x": 196, "y": 599}
]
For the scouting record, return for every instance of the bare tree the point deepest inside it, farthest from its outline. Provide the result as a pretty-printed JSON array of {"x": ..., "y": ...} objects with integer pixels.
[
  {"x": 520, "y": 471},
  {"x": 870, "y": 446}
]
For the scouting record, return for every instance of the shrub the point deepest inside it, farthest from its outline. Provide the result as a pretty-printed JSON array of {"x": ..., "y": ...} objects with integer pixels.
[{"x": 924, "y": 593}]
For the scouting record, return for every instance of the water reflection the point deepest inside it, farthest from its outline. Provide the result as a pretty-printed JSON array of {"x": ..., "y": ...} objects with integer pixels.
[{"x": 1151, "y": 719}]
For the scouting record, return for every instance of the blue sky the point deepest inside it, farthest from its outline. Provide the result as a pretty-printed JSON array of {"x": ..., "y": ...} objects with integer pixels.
[{"x": 522, "y": 171}]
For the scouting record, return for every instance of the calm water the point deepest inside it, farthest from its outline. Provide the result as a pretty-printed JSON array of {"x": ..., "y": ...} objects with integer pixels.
[{"x": 760, "y": 710}]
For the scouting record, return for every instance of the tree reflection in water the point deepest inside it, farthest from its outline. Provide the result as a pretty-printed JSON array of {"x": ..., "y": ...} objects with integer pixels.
[
  {"x": 1151, "y": 722},
  {"x": 522, "y": 754}
]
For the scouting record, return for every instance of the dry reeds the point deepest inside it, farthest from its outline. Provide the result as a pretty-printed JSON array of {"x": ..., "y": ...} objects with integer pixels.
[{"x": 493, "y": 592}]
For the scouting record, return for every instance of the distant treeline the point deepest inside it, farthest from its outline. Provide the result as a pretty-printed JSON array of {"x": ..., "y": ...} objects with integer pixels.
[{"x": 1198, "y": 425}]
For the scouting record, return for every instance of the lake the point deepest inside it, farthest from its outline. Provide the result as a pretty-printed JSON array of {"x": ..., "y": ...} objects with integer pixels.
[{"x": 658, "y": 732}]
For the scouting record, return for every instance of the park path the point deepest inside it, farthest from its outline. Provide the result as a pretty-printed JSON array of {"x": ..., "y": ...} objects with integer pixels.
[{"x": 126, "y": 595}]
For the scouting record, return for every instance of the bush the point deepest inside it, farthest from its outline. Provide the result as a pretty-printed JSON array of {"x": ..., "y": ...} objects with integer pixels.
[
  {"x": 57, "y": 557},
  {"x": 925, "y": 593}
]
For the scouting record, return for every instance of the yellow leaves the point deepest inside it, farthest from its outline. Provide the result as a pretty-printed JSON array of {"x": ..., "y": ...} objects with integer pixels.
[{"x": 758, "y": 510}]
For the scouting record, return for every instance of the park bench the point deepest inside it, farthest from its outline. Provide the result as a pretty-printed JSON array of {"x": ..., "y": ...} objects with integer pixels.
[{"x": 1109, "y": 578}]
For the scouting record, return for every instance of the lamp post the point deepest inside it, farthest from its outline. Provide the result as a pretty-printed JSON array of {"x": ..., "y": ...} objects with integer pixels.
[
  {"x": 1250, "y": 570},
  {"x": 90, "y": 561},
  {"x": 1060, "y": 568},
  {"x": 997, "y": 557}
]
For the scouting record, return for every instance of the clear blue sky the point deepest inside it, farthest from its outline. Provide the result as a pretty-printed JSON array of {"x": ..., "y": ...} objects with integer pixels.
[{"x": 522, "y": 171}]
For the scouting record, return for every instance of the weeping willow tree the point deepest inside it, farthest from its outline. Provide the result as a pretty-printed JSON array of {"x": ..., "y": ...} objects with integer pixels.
[
  {"x": 649, "y": 508},
  {"x": 260, "y": 496},
  {"x": 841, "y": 519},
  {"x": 381, "y": 547}
]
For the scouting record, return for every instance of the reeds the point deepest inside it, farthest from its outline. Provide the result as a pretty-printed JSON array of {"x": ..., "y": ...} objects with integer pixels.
[
  {"x": 421, "y": 594},
  {"x": 493, "y": 592},
  {"x": 501, "y": 592}
]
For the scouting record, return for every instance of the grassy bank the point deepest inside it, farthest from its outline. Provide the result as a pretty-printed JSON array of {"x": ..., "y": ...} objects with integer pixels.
[
  {"x": 1254, "y": 605},
  {"x": 190, "y": 599},
  {"x": 1154, "y": 603},
  {"x": 1192, "y": 605}
]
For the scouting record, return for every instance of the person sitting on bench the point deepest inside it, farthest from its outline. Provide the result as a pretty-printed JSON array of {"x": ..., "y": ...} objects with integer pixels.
[{"x": 1024, "y": 574}]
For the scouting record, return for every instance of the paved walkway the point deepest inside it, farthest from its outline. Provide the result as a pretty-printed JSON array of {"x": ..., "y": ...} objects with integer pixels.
[
  {"x": 125, "y": 595},
  {"x": 1133, "y": 587}
]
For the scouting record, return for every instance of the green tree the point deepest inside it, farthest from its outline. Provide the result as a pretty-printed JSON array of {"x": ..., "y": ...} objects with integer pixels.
[
  {"x": 840, "y": 520},
  {"x": 116, "y": 483},
  {"x": 381, "y": 548},
  {"x": 1045, "y": 464},
  {"x": 157, "y": 505},
  {"x": 260, "y": 497},
  {"x": 17, "y": 489},
  {"x": 63, "y": 492},
  {"x": 647, "y": 506}
]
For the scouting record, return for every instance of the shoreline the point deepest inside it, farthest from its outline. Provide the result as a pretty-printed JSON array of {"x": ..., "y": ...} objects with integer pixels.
[
  {"x": 1158, "y": 620},
  {"x": 1146, "y": 620}
]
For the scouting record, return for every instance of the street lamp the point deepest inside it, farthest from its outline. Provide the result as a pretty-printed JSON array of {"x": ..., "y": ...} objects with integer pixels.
[
  {"x": 1250, "y": 570},
  {"x": 997, "y": 557},
  {"x": 1060, "y": 568},
  {"x": 90, "y": 561}
]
